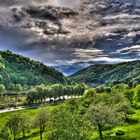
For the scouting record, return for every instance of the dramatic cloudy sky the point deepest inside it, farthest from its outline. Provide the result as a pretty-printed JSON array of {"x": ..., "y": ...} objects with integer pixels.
[
  {"x": 18, "y": 42},
  {"x": 68, "y": 59}
]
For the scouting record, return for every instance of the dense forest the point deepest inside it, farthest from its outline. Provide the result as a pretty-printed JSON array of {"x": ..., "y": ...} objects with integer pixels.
[
  {"x": 16, "y": 69},
  {"x": 110, "y": 74}
]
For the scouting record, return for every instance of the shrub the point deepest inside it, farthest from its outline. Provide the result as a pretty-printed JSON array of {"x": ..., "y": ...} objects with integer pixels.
[{"x": 120, "y": 133}]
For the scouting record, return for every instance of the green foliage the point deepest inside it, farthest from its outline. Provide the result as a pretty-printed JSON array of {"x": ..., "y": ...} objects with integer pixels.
[
  {"x": 14, "y": 125},
  {"x": 11, "y": 87},
  {"x": 110, "y": 74},
  {"x": 89, "y": 93},
  {"x": 1, "y": 79},
  {"x": 2, "y": 66},
  {"x": 66, "y": 125},
  {"x": 102, "y": 114},
  {"x": 70, "y": 120},
  {"x": 5, "y": 133},
  {"x": 137, "y": 92},
  {"x": 40, "y": 93},
  {"x": 17, "y": 123},
  {"x": 18, "y": 87},
  {"x": 103, "y": 88},
  {"x": 41, "y": 121},
  {"x": 129, "y": 94},
  {"x": 2, "y": 88},
  {"x": 23, "y": 71}
]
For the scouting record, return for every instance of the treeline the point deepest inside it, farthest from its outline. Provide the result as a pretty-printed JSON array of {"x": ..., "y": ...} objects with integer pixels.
[
  {"x": 12, "y": 88},
  {"x": 131, "y": 93},
  {"x": 17, "y": 95},
  {"x": 41, "y": 93}
]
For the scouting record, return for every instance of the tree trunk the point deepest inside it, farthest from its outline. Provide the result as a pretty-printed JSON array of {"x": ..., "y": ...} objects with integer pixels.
[
  {"x": 41, "y": 134},
  {"x": 14, "y": 137},
  {"x": 131, "y": 102},
  {"x": 100, "y": 131},
  {"x": 63, "y": 97},
  {"x": 23, "y": 132}
]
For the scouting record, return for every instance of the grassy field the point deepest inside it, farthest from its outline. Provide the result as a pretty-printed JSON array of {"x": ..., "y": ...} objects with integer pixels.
[
  {"x": 34, "y": 134},
  {"x": 131, "y": 130}
]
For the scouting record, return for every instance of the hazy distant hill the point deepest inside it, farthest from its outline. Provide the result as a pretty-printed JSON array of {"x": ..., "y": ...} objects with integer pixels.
[
  {"x": 110, "y": 74},
  {"x": 22, "y": 70}
]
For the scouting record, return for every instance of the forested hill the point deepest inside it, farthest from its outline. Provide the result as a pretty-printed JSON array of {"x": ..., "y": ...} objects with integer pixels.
[
  {"x": 111, "y": 74},
  {"x": 17, "y": 69}
]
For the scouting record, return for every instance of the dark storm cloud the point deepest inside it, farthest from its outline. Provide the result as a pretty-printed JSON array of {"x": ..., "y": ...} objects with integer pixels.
[
  {"x": 11, "y": 38},
  {"x": 15, "y": 39}
]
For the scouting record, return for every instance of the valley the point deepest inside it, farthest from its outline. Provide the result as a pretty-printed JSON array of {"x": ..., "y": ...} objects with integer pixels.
[
  {"x": 68, "y": 102},
  {"x": 70, "y": 70}
]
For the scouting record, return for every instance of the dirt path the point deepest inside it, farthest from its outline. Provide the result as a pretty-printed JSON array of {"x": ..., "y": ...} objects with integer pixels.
[{"x": 12, "y": 109}]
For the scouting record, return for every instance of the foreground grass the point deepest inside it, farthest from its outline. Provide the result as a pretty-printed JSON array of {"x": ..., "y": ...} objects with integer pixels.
[
  {"x": 34, "y": 134},
  {"x": 131, "y": 129}
]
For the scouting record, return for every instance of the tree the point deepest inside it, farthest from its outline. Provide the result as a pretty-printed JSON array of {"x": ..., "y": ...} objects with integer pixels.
[
  {"x": 40, "y": 92},
  {"x": 57, "y": 89},
  {"x": 2, "y": 65},
  {"x": 25, "y": 124},
  {"x": 41, "y": 121},
  {"x": 120, "y": 88},
  {"x": 1, "y": 79},
  {"x": 89, "y": 93},
  {"x": 11, "y": 87},
  {"x": 18, "y": 123},
  {"x": 66, "y": 125},
  {"x": 5, "y": 133},
  {"x": 137, "y": 92},
  {"x": 14, "y": 124},
  {"x": 18, "y": 87},
  {"x": 129, "y": 94},
  {"x": 31, "y": 96},
  {"x": 2, "y": 88},
  {"x": 101, "y": 114}
]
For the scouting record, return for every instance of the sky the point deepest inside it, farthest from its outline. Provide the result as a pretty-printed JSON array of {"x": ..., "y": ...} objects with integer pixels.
[
  {"x": 18, "y": 42},
  {"x": 68, "y": 3},
  {"x": 64, "y": 58}
]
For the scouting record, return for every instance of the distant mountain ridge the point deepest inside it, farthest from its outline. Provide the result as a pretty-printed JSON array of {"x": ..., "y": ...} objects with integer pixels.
[
  {"x": 109, "y": 74},
  {"x": 22, "y": 70}
]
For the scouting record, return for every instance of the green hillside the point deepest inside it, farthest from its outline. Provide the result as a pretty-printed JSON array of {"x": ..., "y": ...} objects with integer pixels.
[
  {"x": 110, "y": 74},
  {"x": 16, "y": 69}
]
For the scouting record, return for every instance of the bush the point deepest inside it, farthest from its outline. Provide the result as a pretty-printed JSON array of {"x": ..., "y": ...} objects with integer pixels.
[
  {"x": 2, "y": 106},
  {"x": 120, "y": 133},
  {"x": 132, "y": 120}
]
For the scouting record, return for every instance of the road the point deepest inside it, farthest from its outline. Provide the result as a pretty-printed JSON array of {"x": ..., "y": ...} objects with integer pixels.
[{"x": 12, "y": 109}]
